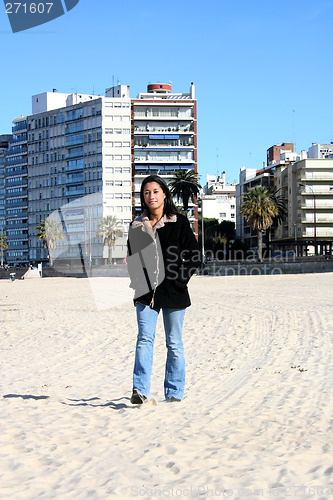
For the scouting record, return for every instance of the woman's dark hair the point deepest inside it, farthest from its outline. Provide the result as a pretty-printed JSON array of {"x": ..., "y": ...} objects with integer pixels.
[{"x": 169, "y": 206}]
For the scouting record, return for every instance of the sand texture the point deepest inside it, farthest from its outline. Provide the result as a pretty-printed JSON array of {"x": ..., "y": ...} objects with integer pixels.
[{"x": 255, "y": 422}]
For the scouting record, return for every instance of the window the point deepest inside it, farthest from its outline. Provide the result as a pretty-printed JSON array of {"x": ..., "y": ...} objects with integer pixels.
[{"x": 126, "y": 144}]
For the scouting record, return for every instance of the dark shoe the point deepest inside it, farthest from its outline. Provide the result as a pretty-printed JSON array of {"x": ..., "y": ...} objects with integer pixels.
[
  {"x": 173, "y": 400},
  {"x": 137, "y": 398}
]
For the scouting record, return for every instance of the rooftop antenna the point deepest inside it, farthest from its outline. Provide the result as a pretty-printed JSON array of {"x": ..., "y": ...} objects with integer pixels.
[
  {"x": 217, "y": 163},
  {"x": 294, "y": 135},
  {"x": 93, "y": 91}
]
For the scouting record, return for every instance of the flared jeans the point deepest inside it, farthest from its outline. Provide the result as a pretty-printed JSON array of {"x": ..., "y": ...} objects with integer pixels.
[{"x": 174, "y": 379}]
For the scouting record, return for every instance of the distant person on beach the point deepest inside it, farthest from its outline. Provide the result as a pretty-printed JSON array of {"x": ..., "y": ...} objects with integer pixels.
[{"x": 163, "y": 254}]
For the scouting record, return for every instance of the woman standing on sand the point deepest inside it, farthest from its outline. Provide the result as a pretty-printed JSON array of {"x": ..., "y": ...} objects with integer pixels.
[{"x": 162, "y": 256}]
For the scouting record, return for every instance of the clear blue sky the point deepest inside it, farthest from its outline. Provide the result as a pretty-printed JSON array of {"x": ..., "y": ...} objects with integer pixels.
[{"x": 262, "y": 68}]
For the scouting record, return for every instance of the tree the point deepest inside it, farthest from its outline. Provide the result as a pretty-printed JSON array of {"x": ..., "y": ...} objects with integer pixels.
[
  {"x": 108, "y": 229},
  {"x": 49, "y": 231},
  {"x": 185, "y": 186},
  {"x": 260, "y": 208}
]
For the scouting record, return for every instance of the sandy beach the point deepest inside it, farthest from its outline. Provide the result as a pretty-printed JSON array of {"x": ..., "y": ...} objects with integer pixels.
[{"x": 255, "y": 422}]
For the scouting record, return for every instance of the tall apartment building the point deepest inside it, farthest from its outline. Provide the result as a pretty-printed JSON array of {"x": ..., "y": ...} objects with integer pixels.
[
  {"x": 16, "y": 173},
  {"x": 79, "y": 163},
  {"x": 306, "y": 185},
  {"x": 218, "y": 199},
  {"x": 164, "y": 127},
  {"x": 4, "y": 140},
  {"x": 78, "y": 158},
  {"x": 308, "y": 192}
]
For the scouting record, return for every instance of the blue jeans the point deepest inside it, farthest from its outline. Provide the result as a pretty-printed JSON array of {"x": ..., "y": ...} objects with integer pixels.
[{"x": 174, "y": 381}]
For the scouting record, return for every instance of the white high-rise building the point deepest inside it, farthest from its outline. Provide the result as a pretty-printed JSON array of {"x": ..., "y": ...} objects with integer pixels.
[{"x": 79, "y": 165}]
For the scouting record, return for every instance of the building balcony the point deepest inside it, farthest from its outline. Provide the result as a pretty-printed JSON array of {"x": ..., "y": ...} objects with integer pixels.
[
  {"x": 319, "y": 206},
  {"x": 17, "y": 204},
  {"x": 73, "y": 141},
  {"x": 18, "y": 171},
  {"x": 77, "y": 179},
  {"x": 73, "y": 115},
  {"x": 20, "y": 126},
  {"x": 163, "y": 159},
  {"x": 17, "y": 139},
  {"x": 21, "y": 225},
  {"x": 17, "y": 150},
  {"x": 163, "y": 130},
  {"x": 169, "y": 118},
  {"x": 77, "y": 153},
  {"x": 75, "y": 192},
  {"x": 320, "y": 233},
  {"x": 328, "y": 219},
  {"x": 318, "y": 192},
  {"x": 318, "y": 176},
  {"x": 164, "y": 147},
  {"x": 20, "y": 161},
  {"x": 13, "y": 182}
]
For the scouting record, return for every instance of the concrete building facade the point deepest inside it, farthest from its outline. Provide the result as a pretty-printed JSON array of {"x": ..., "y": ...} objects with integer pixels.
[
  {"x": 16, "y": 185},
  {"x": 79, "y": 163},
  {"x": 79, "y": 158},
  {"x": 164, "y": 137},
  {"x": 218, "y": 199},
  {"x": 306, "y": 186}
]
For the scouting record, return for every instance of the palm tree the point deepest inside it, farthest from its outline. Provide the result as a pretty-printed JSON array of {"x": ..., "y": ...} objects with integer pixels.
[
  {"x": 108, "y": 229},
  {"x": 49, "y": 231},
  {"x": 260, "y": 208},
  {"x": 185, "y": 186}
]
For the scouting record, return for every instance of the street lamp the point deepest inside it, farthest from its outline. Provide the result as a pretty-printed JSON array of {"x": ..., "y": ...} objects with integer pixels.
[
  {"x": 314, "y": 215},
  {"x": 90, "y": 217},
  {"x": 295, "y": 234},
  {"x": 202, "y": 233}
]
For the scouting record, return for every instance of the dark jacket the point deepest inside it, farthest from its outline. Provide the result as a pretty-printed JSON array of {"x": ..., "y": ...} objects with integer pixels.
[{"x": 161, "y": 261}]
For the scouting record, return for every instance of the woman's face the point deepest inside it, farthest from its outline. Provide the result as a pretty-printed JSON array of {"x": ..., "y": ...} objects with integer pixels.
[{"x": 154, "y": 196}]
